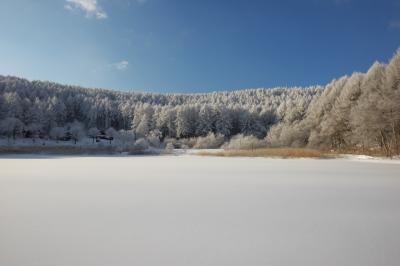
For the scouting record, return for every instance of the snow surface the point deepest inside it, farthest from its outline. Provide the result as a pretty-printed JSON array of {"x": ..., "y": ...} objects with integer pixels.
[
  {"x": 371, "y": 159},
  {"x": 192, "y": 210}
]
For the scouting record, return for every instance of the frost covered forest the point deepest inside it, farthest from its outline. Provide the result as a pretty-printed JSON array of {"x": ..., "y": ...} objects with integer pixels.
[{"x": 357, "y": 112}]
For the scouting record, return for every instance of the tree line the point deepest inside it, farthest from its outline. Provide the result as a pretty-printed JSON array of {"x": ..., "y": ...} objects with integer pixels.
[
  {"x": 39, "y": 107},
  {"x": 361, "y": 111}
]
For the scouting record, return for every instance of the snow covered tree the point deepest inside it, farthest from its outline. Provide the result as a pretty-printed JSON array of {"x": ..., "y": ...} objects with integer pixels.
[
  {"x": 93, "y": 132},
  {"x": 57, "y": 133},
  {"x": 206, "y": 121},
  {"x": 250, "y": 125},
  {"x": 77, "y": 130},
  {"x": 11, "y": 127},
  {"x": 390, "y": 103},
  {"x": 186, "y": 121},
  {"x": 56, "y": 111},
  {"x": 223, "y": 121},
  {"x": 143, "y": 120},
  {"x": 365, "y": 116},
  {"x": 112, "y": 134}
]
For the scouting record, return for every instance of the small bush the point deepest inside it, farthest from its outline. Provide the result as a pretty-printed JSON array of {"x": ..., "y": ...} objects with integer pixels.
[
  {"x": 125, "y": 139},
  {"x": 141, "y": 146},
  {"x": 154, "y": 138},
  {"x": 154, "y": 141},
  {"x": 171, "y": 142},
  {"x": 188, "y": 143},
  {"x": 211, "y": 141},
  {"x": 169, "y": 147},
  {"x": 241, "y": 142}
]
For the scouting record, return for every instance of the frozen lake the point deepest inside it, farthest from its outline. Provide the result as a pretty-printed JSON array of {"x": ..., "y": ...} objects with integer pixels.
[{"x": 189, "y": 210}]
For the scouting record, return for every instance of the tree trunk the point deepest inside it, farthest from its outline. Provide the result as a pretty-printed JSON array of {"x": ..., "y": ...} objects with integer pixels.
[
  {"x": 385, "y": 144},
  {"x": 394, "y": 137}
]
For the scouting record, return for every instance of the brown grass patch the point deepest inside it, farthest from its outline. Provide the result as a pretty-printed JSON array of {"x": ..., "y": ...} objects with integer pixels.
[{"x": 269, "y": 152}]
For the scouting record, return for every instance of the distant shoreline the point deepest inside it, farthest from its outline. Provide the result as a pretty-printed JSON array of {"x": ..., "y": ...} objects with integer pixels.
[{"x": 59, "y": 152}]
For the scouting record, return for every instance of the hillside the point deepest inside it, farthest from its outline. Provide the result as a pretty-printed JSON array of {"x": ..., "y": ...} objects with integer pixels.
[{"x": 361, "y": 111}]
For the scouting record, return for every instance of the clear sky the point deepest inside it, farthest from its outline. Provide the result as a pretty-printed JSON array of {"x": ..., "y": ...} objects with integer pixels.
[{"x": 195, "y": 45}]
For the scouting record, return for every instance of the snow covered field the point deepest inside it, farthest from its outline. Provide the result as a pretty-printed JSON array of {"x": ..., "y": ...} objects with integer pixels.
[{"x": 190, "y": 210}]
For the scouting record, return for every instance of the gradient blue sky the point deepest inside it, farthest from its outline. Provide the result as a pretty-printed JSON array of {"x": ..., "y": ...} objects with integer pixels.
[{"x": 194, "y": 45}]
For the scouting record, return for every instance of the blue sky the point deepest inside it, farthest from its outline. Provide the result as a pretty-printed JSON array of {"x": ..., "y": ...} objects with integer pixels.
[{"x": 195, "y": 45}]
